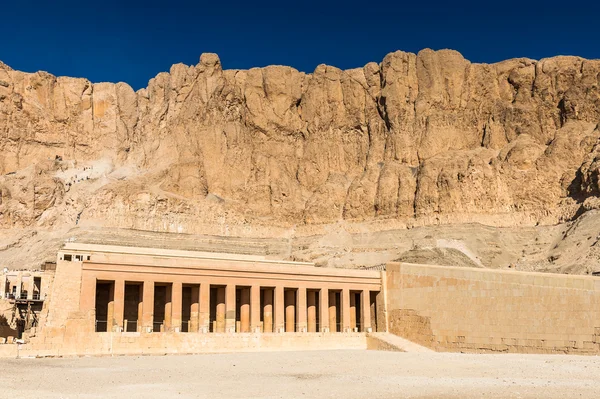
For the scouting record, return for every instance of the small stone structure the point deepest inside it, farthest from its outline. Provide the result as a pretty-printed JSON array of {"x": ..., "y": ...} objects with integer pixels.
[
  {"x": 22, "y": 294},
  {"x": 32, "y": 285}
]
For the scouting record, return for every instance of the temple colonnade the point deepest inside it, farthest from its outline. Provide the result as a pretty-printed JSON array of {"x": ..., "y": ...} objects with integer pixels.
[
  {"x": 148, "y": 290},
  {"x": 153, "y": 306}
]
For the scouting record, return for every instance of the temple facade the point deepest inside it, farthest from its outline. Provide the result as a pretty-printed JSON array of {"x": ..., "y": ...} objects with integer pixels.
[
  {"x": 107, "y": 300},
  {"x": 101, "y": 289}
]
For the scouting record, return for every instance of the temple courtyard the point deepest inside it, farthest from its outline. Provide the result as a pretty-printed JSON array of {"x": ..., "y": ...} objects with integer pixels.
[{"x": 308, "y": 374}]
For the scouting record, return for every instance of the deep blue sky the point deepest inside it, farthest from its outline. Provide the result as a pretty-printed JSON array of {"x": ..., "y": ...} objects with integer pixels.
[{"x": 132, "y": 41}]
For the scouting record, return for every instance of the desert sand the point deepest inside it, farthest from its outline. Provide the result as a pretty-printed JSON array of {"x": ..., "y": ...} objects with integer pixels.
[{"x": 319, "y": 374}]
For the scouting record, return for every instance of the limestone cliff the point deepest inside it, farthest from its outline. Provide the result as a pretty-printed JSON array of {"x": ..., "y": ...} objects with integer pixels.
[{"x": 415, "y": 140}]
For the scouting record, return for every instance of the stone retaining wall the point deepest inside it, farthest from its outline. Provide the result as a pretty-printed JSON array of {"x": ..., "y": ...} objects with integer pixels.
[
  {"x": 475, "y": 310},
  {"x": 105, "y": 344}
]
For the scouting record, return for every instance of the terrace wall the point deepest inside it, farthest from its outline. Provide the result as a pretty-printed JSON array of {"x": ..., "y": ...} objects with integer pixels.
[{"x": 473, "y": 310}]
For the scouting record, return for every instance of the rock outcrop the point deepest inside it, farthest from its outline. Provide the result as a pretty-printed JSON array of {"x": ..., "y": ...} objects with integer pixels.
[{"x": 418, "y": 139}]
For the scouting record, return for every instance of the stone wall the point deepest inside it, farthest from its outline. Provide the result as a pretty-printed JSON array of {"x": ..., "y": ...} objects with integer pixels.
[
  {"x": 61, "y": 307},
  {"x": 103, "y": 344},
  {"x": 474, "y": 310}
]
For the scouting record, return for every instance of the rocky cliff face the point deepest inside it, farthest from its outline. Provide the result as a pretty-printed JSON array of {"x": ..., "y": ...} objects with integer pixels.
[{"x": 417, "y": 139}]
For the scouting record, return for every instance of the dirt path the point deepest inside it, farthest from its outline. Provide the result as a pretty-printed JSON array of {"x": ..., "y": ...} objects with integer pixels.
[{"x": 327, "y": 374}]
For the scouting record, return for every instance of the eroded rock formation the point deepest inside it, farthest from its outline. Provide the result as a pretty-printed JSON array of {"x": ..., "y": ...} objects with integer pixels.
[{"x": 419, "y": 138}]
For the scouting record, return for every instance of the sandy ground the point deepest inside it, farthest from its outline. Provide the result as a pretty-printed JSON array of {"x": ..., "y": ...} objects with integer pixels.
[{"x": 326, "y": 374}]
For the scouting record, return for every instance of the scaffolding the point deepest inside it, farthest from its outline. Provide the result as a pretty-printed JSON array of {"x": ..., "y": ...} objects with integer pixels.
[{"x": 24, "y": 316}]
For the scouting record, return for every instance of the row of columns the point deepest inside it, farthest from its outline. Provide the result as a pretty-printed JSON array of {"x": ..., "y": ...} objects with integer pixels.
[
  {"x": 300, "y": 313},
  {"x": 4, "y": 280}
]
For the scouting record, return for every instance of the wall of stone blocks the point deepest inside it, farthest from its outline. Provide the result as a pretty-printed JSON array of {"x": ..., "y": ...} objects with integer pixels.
[
  {"x": 475, "y": 310},
  {"x": 63, "y": 295},
  {"x": 104, "y": 344}
]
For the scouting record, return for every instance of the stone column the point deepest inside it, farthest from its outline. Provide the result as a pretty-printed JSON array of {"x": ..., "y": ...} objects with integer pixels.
[
  {"x": 204, "y": 308},
  {"x": 148, "y": 306},
  {"x": 279, "y": 310},
  {"x": 311, "y": 303},
  {"x": 332, "y": 312},
  {"x": 220, "y": 310},
  {"x": 168, "y": 308},
  {"x": 381, "y": 312},
  {"x": 352, "y": 311},
  {"x": 268, "y": 310},
  {"x": 255, "y": 309},
  {"x": 245, "y": 310},
  {"x": 3, "y": 280},
  {"x": 345, "y": 310},
  {"x": 19, "y": 285},
  {"x": 230, "y": 308},
  {"x": 119, "y": 306},
  {"x": 290, "y": 311},
  {"x": 30, "y": 287},
  {"x": 140, "y": 313},
  {"x": 324, "y": 309},
  {"x": 373, "y": 314},
  {"x": 301, "y": 309},
  {"x": 176, "y": 299},
  {"x": 110, "y": 308},
  {"x": 365, "y": 314},
  {"x": 194, "y": 325}
]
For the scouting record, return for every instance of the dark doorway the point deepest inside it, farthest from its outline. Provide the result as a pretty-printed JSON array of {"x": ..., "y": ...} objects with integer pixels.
[
  {"x": 290, "y": 310},
  {"x": 217, "y": 309},
  {"x": 338, "y": 312},
  {"x": 266, "y": 309},
  {"x": 162, "y": 307},
  {"x": 186, "y": 305},
  {"x": 132, "y": 307},
  {"x": 104, "y": 298},
  {"x": 189, "y": 308}
]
